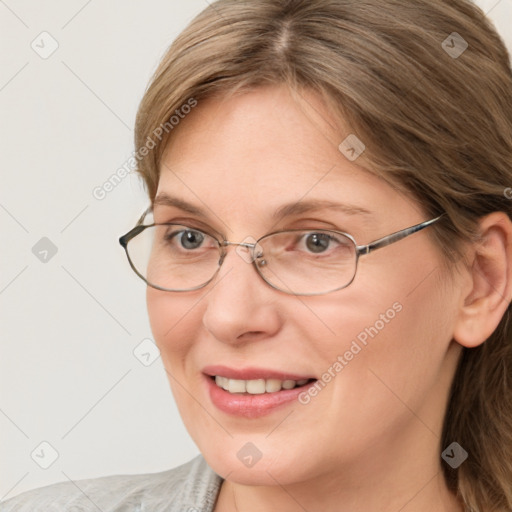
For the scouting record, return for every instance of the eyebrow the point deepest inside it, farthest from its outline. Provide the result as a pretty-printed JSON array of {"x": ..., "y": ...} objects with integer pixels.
[
  {"x": 286, "y": 210},
  {"x": 166, "y": 200},
  {"x": 317, "y": 204}
]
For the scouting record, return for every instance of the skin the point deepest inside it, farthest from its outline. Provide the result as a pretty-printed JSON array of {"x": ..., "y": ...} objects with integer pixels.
[{"x": 370, "y": 440}]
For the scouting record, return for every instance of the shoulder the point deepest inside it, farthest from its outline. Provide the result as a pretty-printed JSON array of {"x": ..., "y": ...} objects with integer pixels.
[{"x": 191, "y": 487}]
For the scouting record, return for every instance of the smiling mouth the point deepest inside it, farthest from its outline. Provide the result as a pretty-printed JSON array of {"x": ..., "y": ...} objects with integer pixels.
[{"x": 257, "y": 386}]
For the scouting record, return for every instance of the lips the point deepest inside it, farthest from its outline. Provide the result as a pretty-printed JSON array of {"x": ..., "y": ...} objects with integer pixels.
[
  {"x": 253, "y": 373},
  {"x": 247, "y": 398}
]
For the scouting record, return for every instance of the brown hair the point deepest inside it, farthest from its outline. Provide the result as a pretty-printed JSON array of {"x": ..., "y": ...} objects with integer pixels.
[{"x": 436, "y": 121}]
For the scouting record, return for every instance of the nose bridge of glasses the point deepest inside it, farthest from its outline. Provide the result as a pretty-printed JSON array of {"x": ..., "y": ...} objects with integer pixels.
[
  {"x": 253, "y": 247},
  {"x": 249, "y": 250},
  {"x": 247, "y": 245}
]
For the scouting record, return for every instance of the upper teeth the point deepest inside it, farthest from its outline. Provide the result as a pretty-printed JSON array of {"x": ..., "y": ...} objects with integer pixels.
[{"x": 257, "y": 386}]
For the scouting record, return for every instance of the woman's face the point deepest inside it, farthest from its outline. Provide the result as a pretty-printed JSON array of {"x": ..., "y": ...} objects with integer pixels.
[{"x": 380, "y": 349}]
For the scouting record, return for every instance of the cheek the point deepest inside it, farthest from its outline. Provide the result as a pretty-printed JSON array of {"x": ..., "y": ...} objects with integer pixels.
[
  {"x": 175, "y": 320},
  {"x": 410, "y": 309},
  {"x": 392, "y": 342},
  {"x": 402, "y": 365}
]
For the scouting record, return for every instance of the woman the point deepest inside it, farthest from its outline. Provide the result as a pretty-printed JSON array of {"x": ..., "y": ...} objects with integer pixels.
[{"x": 328, "y": 255}]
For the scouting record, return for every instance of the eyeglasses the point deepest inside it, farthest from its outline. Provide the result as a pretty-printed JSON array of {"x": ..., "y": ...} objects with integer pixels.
[{"x": 178, "y": 258}]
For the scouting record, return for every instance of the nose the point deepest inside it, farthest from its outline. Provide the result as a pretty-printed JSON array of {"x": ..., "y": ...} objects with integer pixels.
[{"x": 240, "y": 306}]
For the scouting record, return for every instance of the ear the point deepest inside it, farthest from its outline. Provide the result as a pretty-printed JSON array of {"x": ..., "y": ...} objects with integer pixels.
[{"x": 490, "y": 282}]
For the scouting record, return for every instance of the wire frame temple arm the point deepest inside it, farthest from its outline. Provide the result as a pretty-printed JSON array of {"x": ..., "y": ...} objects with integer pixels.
[
  {"x": 139, "y": 227},
  {"x": 131, "y": 234},
  {"x": 395, "y": 237}
]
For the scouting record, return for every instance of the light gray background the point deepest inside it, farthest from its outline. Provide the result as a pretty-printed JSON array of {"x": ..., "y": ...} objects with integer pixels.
[{"x": 70, "y": 325}]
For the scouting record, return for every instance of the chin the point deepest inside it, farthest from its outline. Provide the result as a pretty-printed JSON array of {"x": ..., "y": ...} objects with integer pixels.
[{"x": 254, "y": 460}]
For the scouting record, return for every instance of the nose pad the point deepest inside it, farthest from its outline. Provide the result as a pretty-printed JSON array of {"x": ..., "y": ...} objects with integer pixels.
[
  {"x": 260, "y": 261},
  {"x": 249, "y": 249}
]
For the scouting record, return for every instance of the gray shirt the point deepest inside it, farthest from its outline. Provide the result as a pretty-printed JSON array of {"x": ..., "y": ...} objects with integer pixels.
[{"x": 192, "y": 487}]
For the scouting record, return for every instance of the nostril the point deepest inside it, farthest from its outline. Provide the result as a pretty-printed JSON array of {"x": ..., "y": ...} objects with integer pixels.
[{"x": 251, "y": 335}]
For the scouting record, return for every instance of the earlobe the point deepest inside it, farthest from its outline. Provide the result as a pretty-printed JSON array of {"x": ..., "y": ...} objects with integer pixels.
[{"x": 490, "y": 276}]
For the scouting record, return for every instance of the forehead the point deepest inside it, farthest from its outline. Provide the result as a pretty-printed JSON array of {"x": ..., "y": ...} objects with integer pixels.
[
  {"x": 261, "y": 150},
  {"x": 265, "y": 130}
]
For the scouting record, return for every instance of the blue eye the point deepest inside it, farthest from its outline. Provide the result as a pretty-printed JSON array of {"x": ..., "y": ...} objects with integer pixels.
[
  {"x": 318, "y": 242},
  {"x": 191, "y": 239}
]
